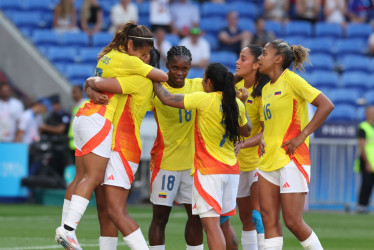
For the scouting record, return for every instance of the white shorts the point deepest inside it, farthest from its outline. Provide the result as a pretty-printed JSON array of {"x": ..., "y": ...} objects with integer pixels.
[
  {"x": 245, "y": 182},
  {"x": 92, "y": 134},
  {"x": 119, "y": 172},
  {"x": 169, "y": 186},
  {"x": 214, "y": 191},
  {"x": 290, "y": 178}
]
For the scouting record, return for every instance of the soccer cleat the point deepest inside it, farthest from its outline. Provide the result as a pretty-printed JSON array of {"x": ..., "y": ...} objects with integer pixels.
[{"x": 67, "y": 239}]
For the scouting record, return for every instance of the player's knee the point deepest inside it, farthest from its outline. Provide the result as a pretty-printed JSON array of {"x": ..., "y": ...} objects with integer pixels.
[
  {"x": 292, "y": 223},
  {"x": 161, "y": 219}
]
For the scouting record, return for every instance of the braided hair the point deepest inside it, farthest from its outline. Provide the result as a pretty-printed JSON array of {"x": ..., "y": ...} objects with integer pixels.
[{"x": 178, "y": 51}]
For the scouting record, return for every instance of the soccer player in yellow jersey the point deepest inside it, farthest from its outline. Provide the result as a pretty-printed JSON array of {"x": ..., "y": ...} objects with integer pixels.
[
  {"x": 171, "y": 178},
  {"x": 284, "y": 168},
  {"x": 92, "y": 125},
  {"x": 247, "y": 197},
  {"x": 220, "y": 122}
]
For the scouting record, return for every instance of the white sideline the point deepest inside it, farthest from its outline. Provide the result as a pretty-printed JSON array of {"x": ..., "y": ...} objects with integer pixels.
[{"x": 52, "y": 247}]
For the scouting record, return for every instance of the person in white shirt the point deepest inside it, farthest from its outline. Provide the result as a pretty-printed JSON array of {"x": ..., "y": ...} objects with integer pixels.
[
  {"x": 31, "y": 120},
  {"x": 159, "y": 16},
  {"x": 161, "y": 44},
  {"x": 199, "y": 47},
  {"x": 10, "y": 112},
  {"x": 184, "y": 16},
  {"x": 121, "y": 13}
]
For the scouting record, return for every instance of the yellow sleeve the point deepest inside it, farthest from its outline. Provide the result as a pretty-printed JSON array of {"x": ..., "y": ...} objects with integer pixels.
[
  {"x": 132, "y": 84},
  {"x": 303, "y": 89},
  {"x": 134, "y": 66},
  {"x": 197, "y": 100},
  {"x": 243, "y": 119}
]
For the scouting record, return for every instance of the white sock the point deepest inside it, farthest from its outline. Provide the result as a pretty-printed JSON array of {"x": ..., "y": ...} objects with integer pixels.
[
  {"x": 275, "y": 243},
  {"x": 65, "y": 210},
  {"x": 260, "y": 241},
  {"x": 77, "y": 207},
  {"x": 199, "y": 247},
  {"x": 158, "y": 247},
  {"x": 136, "y": 240},
  {"x": 108, "y": 243},
  {"x": 312, "y": 243},
  {"x": 249, "y": 240}
]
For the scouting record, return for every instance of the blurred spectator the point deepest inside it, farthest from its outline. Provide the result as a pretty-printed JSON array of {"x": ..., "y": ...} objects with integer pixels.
[
  {"x": 366, "y": 162},
  {"x": 335, "y": 11},
  {"x": 276, "y": 10},
  {"x": 199, "y": 47},
  {"x": 79, "y": 100},
  {"x": 308, "y": 10},
  {"x": 184, "y": 15},
  {"x": 65, "y": 18},
  {"x": 159, "y": 16},
  {"x": 30, "y": 121},
  {"x": 161, "y": 44},
  {"x": 55, "y": 130},
  {"x": 358, "y": 10},
  {"x": 10, "y": 113},
  {"x": 121, "y": 13},
  {"x": 231, "y": 38},
  {"x": 370, "y": 51},
  {"x": 262, "y": 36},
  {"x": 91, "y": 17}
]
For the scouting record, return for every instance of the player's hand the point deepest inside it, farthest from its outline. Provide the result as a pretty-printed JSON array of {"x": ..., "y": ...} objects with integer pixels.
[
  {"x": 242, "y": 94},
  {"x": 99, "y": 98},
  {"x": 237, "y": 147},
  {"x": 261, "y": 147},
  {"x": 293, "y": 144}
]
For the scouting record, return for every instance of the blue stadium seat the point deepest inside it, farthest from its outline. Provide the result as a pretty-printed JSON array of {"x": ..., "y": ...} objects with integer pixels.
[
  {"x": 61, "y": 67},
  {"x": 369, "y": 97},
  {"x": 209, "y": 9},
  {"x": 371, "y": 81},
  {"x": 173, "y": 39},
  {"x": 44, "y": 6},
  {"x": 106, "y": 7},
  {"x": 101, "y": 39},
  {"x": 345, "y": 96},
  {"x": 76, "y": 39},
  {"x": 342, "y": 113},
  {"x": 324, "y": 79},
  {"x": 356, "y": 81},
  {"x": 144, "y": 20},
  {"x": 275, "y": 27},
  {"x": 247, "y": 24},
  {"x": 196, "y": 73},
  {"x": 144, "y": 9},
  {"x": 298, "y": 28},
  {"x": 30, "y": 20},
  {"x": 320, "y": 62},
  {"x": 356, "y": 63},
  {"x": 226, "y": 58},
  {"x": 212, "y": 25},
  {"x": 213, "y": 42},
  {"x": 11, "y": 5},
  {"x": 320, "y": 45},
  {"x": 360, "y": 114},
  {"x": 294, "y": 40},
  {"x": 79, "y": 73},
  {"x": 62, "y": 55},
  {"x": 45, "y": 37},
  {"x": 328, "y": 30},
  {"x": 346, "y": 47},
  {"x": 358, "y": 30},
  {"x": 245, "y": 9},
  {"x": 88, "y": 55}
]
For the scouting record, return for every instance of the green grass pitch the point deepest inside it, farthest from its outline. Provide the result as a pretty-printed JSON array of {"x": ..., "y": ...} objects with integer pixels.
[{"x": 33, "y": 227}]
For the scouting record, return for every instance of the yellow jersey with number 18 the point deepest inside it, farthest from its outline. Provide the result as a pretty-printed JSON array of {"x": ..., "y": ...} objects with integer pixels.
[
  {"x": 285, "y": 108},
  {"x": 174, "y": 146},
  {"x": 214, "y": 154},
  {"x": 114, "y": 64},
  {"x": 248, "y": 157}
]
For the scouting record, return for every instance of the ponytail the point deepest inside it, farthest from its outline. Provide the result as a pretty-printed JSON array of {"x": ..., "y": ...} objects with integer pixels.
[
  {"x": 139, "y": 34},
  {"x": 223, "y": 80}
]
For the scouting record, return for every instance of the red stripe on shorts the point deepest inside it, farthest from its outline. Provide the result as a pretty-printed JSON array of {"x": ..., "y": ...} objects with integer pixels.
[
  {"x": 231, "y": 213},
  {"x": 209, "y": 199},
  {"x": 97, "y": 139},
  {"x": 302, "y": 170}
]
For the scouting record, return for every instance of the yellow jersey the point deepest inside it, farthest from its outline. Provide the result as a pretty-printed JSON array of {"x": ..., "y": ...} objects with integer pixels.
[
  {"x": 248, "y": 157},
  {"x": 285, "y": 110},
  {"x": 130, "y": 111},
  {"x": 114, "y": 64},
  {"x": 174, "y": 146},
  {"x": 213, "y": 153}
]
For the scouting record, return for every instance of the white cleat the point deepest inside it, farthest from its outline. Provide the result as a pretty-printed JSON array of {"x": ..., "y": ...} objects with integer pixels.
[{"x": 67, "y": 239}]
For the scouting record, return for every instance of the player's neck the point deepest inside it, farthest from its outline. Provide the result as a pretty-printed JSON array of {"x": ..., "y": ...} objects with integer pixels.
[
  {"x": 175, "y": 85},
  {"x": 250, "y": 80}
]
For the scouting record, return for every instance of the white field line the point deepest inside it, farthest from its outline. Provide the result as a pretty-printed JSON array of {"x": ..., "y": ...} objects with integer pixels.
[{"x": 52, "y": 247}]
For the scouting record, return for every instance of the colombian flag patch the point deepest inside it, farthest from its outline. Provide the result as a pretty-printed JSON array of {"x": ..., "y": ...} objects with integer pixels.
[
  {"x": 162, "y": 195},
  {"x": 278, "y": 93},
  {"x": 249, "y": 101}
]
